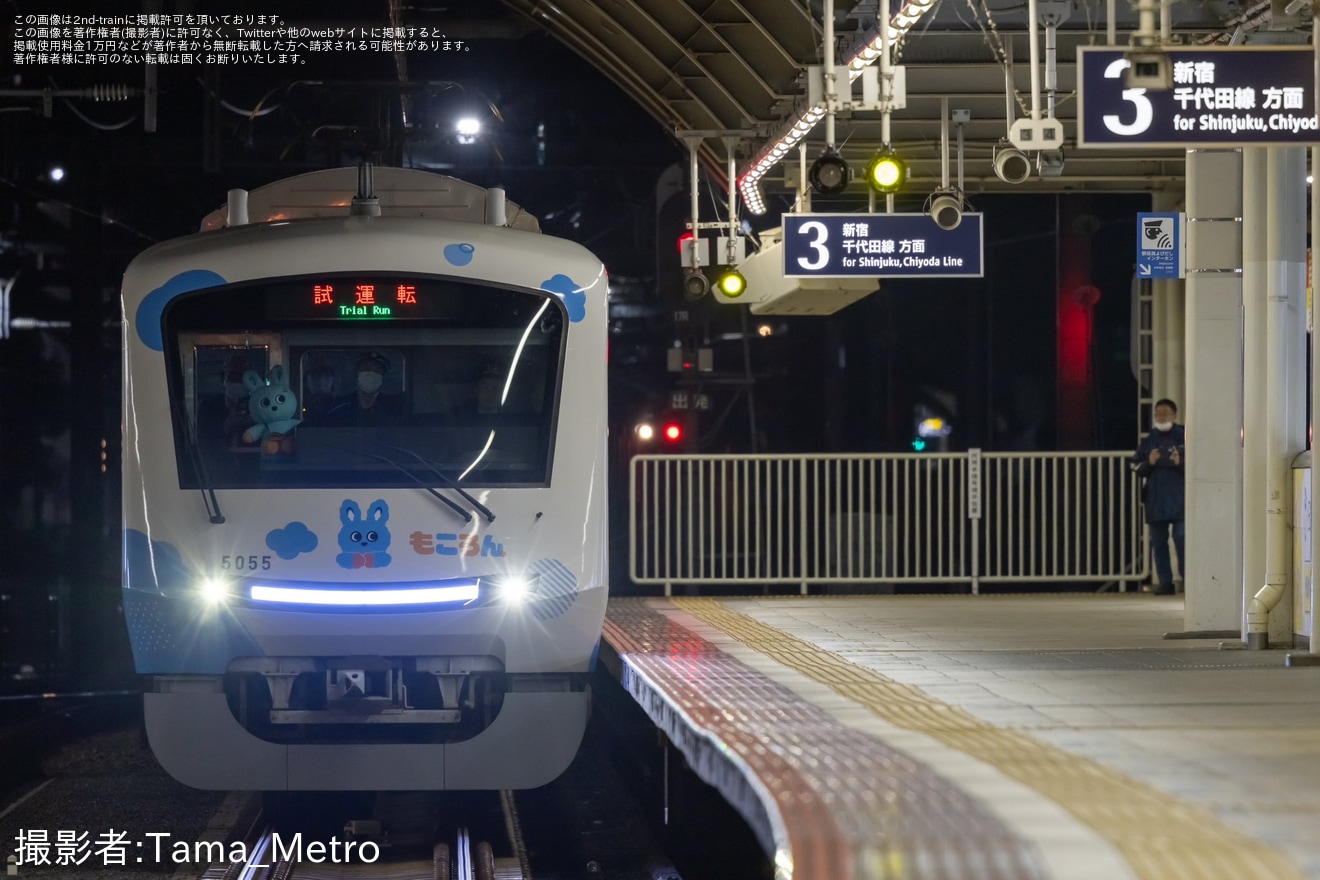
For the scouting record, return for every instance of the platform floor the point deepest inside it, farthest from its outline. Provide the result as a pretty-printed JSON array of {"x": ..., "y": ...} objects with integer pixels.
[{"x": 1044, "y": 736}]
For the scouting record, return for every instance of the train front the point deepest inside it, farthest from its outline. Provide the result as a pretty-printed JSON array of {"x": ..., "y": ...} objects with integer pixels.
[{"x": 364, "y": 502}]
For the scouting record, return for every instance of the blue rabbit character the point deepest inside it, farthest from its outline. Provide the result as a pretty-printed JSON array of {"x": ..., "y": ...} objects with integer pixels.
[
  {"x": 272, "y": 406},
  {"x": 364, "y": 540}
]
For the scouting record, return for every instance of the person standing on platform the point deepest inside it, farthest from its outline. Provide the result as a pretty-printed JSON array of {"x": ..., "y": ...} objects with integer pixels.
[{"x": 1160, "y": 459}]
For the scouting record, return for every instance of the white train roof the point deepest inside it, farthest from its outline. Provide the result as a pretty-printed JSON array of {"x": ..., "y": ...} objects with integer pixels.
[{"x": 401, "y": 192}]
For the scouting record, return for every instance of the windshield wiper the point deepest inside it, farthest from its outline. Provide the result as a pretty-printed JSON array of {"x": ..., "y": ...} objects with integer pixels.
[
  {"x": 453, "y": 505},
  {"x": 483, "y": 509},
  {"x": 199, "y": 465}
]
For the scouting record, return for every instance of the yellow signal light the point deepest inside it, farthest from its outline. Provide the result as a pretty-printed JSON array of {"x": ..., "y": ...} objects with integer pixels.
[
  {"x": 886, "y": 171},
  {"x": 731, "y": 283}
]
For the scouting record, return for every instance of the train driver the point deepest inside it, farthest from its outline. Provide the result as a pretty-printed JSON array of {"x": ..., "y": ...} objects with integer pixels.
[{"x": 367, "y": 404}]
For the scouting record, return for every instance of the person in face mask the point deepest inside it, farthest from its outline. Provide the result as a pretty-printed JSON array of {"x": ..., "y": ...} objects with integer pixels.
[
  {"x": 1160, "y": 459},
  {"x": 367, "y": 405}
]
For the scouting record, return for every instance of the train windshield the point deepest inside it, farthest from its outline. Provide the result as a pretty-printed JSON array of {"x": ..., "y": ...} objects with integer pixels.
[{"x": 364, "y": 381}]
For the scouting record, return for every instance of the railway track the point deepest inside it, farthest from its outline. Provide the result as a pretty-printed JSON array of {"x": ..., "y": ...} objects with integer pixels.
[
  {"x": 407, "y": 839},
  {"x": 601, "y": 819}
]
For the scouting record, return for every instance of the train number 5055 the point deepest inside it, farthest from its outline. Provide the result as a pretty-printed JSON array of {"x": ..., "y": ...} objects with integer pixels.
[{"x": 245, "y": 563}]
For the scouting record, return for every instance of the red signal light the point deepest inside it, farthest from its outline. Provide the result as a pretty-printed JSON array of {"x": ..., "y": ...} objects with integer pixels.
[
  {"x": 684, "y": 239},
  {"x": 673, "y": 432}
]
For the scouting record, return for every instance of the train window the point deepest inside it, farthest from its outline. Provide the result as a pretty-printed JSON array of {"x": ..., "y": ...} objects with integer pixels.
[{"x": 465, "y": 387}]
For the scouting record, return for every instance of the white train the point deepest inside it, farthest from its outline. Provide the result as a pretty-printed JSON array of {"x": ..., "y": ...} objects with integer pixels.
[{"x": 364, "y": 488}]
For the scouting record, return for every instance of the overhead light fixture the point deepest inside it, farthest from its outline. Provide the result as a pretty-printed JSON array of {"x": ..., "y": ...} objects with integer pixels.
[
  {"x": 886, "y": 171},
  {"x": 1011, "y": 164},
  {"x": 753, "y": 198},
  {"x": 730, "y": 282},
  {"x": 829, "y": 174},
  {"x": 1049, "y": 163},
  {"x": 695, "y": 285},
  {"x": 467, "y": 129},
  {"x": 865, "y": 54},
  {"x": 946, "y": 209}
]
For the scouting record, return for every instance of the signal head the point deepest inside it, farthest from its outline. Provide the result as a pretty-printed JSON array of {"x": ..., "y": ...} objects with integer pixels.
[
  {"x": 829, "y": 174},
  {"x": 695, "y": 285},
  {"x": 886, "y": 171},
  {"x": 731, "y": 282}
]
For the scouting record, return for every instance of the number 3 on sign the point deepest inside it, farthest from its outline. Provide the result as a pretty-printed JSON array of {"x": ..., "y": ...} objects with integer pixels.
[
  {"x": 1136, "y": 97},
  {"x": 820, "y": 232}
]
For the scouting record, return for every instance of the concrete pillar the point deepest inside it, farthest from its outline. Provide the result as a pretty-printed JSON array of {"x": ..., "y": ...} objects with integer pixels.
[
  {"x": 1308, "y": 606},
  {"x": 1285, "y": 322},
  {"x": 1213, "y": 408},
  {"x": 1255, "y": 283},
  {"x": 1167, "y": 334},
  {"x": 1167, "y": 324}
]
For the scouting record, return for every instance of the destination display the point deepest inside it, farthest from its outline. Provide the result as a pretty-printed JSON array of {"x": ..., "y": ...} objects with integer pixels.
[
  {"x": 1217, "y": 97},
  {"x": 881, "y": 246},
  {"x": 359, "y": 299}
]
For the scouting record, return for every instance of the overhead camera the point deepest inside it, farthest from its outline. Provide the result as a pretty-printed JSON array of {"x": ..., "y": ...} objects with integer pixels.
[
  {"x": 1049, "y": 163},
  {"x": 946, "y": 210},
  {"x": 1011, "y": 164},
  {"x": 1148, "y": 69}
]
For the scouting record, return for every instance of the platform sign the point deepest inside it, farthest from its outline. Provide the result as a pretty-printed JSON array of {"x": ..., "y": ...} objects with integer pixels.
[
  {"x": 1220, "y": 97},
  {"x": 881, "y": 246},
  {"x": 1160, "y": 245}
]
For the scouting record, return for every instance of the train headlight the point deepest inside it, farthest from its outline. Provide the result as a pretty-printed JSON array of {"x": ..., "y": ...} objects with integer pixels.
[
  {"x": 213, "y": 591},
  {"x": 513, "y": 589}
]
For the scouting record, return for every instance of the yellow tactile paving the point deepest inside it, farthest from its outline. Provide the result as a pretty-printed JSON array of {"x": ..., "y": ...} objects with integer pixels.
[
  {"x": 841, "y": 805},
  {"x": 1161, "y": 837}
]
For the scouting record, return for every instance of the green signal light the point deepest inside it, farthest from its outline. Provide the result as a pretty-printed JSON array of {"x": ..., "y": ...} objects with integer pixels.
[{"x": 919, "y": 444}]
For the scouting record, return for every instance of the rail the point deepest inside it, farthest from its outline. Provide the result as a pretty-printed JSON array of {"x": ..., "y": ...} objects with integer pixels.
[{"x": 886, "y": 518}]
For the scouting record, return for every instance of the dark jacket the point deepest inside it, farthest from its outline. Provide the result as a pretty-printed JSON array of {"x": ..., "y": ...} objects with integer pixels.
[
  {"x": 1164, "y": 480},
  {"x": 385, "y": 410}
]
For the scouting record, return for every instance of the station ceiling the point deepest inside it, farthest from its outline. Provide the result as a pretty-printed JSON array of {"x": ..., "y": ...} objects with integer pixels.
[{"x": 740, "y": 66}]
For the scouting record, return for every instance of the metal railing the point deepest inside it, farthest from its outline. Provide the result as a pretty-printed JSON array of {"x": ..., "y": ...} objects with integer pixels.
[{"x": 958, "y": 517}]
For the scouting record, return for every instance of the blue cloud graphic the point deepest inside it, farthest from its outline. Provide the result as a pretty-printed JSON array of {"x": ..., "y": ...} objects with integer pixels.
[
  {"x": 459, "y": 254},
  {"x": 291, "y": 540},
  {"x": 147, "y": 319},
  {"x": 153, "y": 565},
  {"x": 574, "y": 297}
]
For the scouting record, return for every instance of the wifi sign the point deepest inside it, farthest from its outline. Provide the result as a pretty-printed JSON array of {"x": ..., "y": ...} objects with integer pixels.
[{"x": 1159, "y": 245}]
